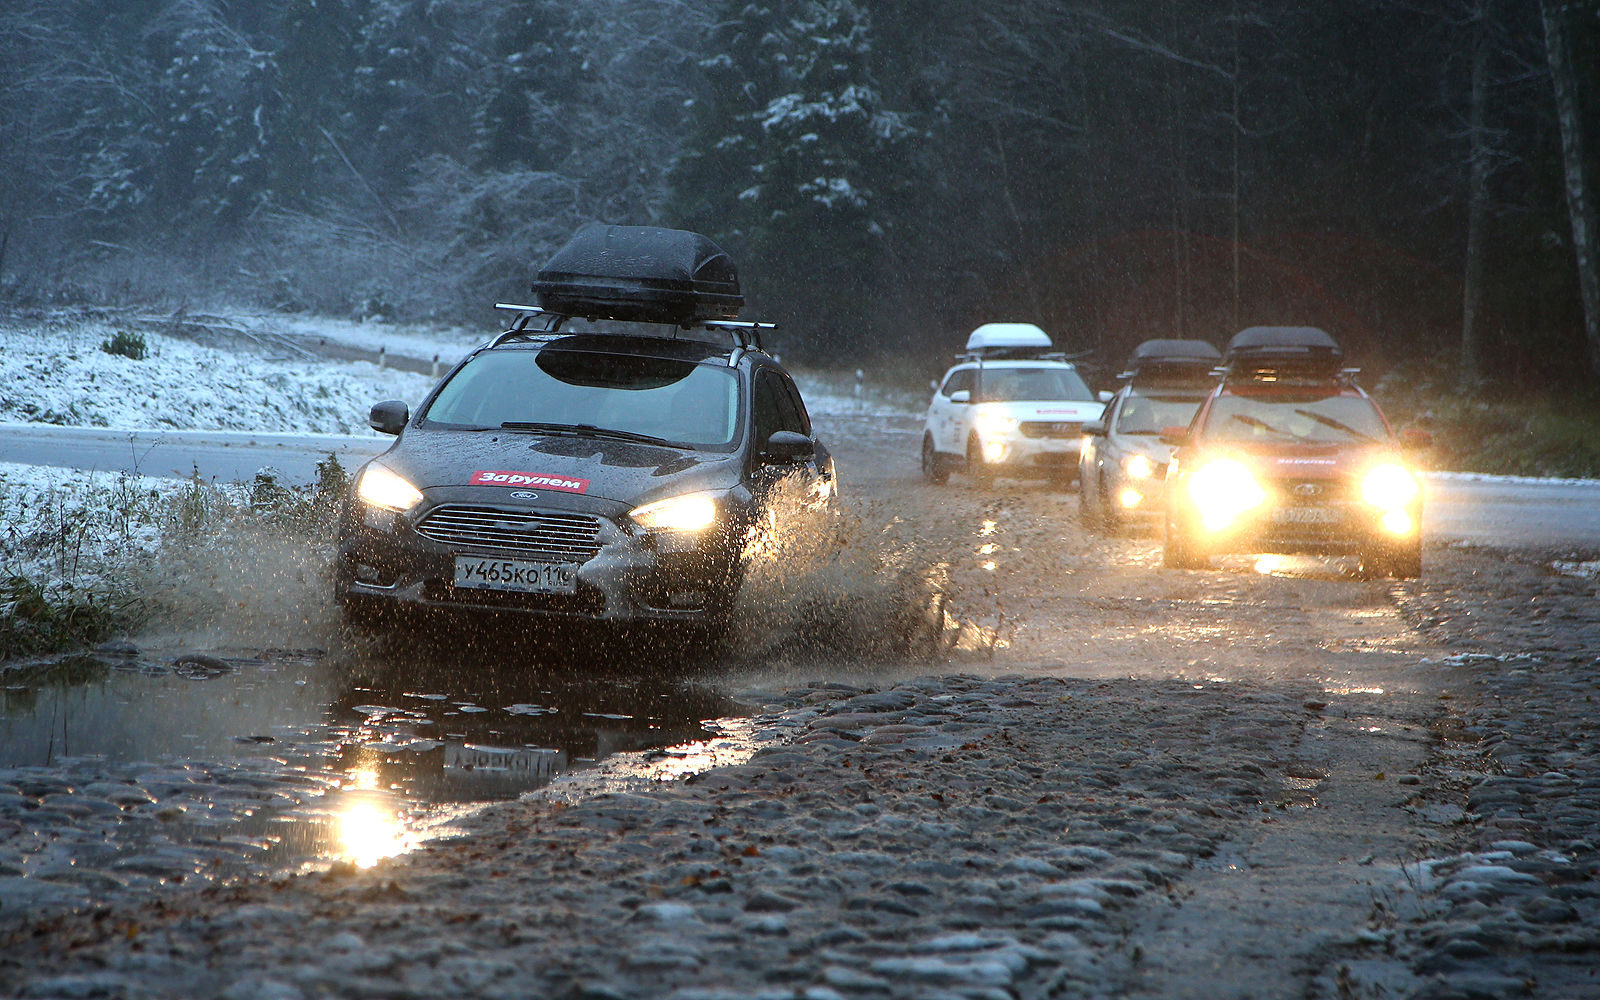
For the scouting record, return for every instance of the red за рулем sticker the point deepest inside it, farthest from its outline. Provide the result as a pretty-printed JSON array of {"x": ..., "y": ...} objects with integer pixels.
[{"x": 539, "y": 480}]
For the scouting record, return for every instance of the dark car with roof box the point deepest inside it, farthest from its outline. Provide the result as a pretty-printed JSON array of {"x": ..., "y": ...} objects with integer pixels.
[
  {"x": 1288, "y": 455},
  {"x": 608, "y": 457}
]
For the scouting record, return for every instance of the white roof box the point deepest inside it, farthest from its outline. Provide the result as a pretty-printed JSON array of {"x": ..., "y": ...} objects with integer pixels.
[{"x": 995, "y": 336}]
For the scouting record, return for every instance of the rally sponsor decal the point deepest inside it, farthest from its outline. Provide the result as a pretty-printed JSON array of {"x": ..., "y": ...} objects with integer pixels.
[{"x": 564, "y": 484}]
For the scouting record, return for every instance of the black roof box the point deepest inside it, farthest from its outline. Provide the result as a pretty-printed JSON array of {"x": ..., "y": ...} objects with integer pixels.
[
  {"x": 1172, "y": 360},
  {"x": 1297, "y": 351},
  {"x": 640, "y": 273}
]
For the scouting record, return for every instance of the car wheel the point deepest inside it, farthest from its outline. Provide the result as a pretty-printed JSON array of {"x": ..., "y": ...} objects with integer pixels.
[
  {"x": 977, "y": 468},
  {"x": 1401, "y": 563},
  {"x": 933, "y": 469},
  {"x": 1087, "y": 515},
  {"x": 1179, "y": 551},
  {"x": 365, "y": 616},
  {"x": 1110, "y": 515}
]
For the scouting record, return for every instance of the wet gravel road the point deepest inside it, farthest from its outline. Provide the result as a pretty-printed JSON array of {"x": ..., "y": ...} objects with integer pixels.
[{"x": 1091, "y": 777}]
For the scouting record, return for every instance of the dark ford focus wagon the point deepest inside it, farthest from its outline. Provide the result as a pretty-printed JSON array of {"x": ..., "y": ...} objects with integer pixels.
[{"x": 608, "y": 472}]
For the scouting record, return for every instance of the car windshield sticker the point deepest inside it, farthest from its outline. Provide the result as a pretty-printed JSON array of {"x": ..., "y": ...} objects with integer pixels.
[{"x": 488, "y": 477}]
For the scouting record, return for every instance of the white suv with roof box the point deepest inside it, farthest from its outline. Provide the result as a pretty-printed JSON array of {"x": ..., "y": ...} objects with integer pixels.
[{"x": 1011, "y": 406}]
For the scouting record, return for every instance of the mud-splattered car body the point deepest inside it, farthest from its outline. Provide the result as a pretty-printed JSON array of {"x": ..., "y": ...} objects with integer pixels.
[{"x": 615, "y": 477}]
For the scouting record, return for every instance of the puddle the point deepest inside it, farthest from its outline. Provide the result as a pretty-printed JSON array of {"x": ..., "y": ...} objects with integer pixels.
[{"x": 173, "y": 767}]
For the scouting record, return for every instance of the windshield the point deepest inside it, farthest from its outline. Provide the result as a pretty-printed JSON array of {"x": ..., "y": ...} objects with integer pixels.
[
  {"x": 1027, "y": 384},
  {"x": 679, "y": 402},
  {"x": 1311, "y": 418},
  {"x": 1141, "y": 414}
]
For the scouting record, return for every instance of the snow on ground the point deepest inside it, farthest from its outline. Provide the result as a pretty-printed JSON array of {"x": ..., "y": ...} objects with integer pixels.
[
  {"x": 60, "y": 375},
  {"x": 448, "y": 344}
]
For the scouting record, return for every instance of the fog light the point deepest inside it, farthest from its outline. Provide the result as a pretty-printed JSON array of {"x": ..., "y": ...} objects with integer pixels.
[
  {"x": 1130, "y": 498},
  {"x": 994, "y": 451},
  {"x": 1397, "y": 522}
]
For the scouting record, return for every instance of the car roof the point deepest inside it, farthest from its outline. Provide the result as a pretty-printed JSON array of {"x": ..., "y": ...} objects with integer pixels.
[
  {"x": 1014, "y": 363},
  {"x": 633, "y": 345}
]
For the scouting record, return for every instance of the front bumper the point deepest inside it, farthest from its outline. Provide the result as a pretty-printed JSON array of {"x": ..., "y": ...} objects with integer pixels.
[
  {"x": 623, "y": 573},
  {"x": 1017, "y": 455},
  {"x": 1338, "y": 528}
]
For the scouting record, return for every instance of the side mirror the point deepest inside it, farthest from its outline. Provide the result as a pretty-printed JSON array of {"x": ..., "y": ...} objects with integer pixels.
[
  {"x": 788, "y": 447},
  {"x": 1104, "y": 395},
  {"x": 933, "y": 384},
  {"x": 1175, "y": 436},
  {"x": 961, "y": 396},
  {"x": 1414, "y": 438},
  {"x": 389, "y": 416},
  {"x": 1095, "y": 428}
]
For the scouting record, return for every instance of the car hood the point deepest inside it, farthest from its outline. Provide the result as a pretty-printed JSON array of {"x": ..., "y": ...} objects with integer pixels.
[
  {"x": 1300, "y": 461},
  {"x": 1055, "y": 412},
  {"x": 556, "y": 467},
  {"x": 1148, "y": 445}
]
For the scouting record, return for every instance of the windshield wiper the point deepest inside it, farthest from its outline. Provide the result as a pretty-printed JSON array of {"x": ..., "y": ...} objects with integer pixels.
[
  {"x": 582, "y": 430},
  {"x": 1336, "y": 425},
  {"x": 1245, "y": 418}
]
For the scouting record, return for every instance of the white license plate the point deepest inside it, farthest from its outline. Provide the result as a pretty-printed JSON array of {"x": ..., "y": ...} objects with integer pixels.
[
  {"x": 520, "y": 575},
  {"x": 1305, "y": 515}
]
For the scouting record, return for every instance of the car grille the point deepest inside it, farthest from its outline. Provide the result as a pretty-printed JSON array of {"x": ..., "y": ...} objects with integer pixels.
[
  {"x": 556, "y": 537},
  {"x": 1313, "y": 491},
  {"x": 1051, "y": 428}
]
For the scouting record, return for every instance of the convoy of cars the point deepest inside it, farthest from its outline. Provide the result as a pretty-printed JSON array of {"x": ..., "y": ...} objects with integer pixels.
[
  {"x": 613, "y": 453},
  {"x": 1011, "y": 405},
  {"x": 1288, "y": 455},
  {"x": 608, "y": 457}
]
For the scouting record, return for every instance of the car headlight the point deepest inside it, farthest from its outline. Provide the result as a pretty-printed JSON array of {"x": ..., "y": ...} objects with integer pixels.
[
  {"x": 383, "y": 488},
  {"x": 1389, "y": 486},
  {"x": 995, "y": 423},
  {"x": 1139, "y": 467},
  {"x": 693, "y": 512},
  {"x": 1221, "y": 490}
]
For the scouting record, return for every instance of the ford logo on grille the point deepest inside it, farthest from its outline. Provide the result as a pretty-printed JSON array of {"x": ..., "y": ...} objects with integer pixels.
[
  {"x": 1303, "y": 490},
  {"x": 524, "y": 495}
]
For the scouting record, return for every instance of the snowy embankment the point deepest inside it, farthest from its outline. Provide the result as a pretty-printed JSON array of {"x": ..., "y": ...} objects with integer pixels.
[{"x": 60, "y": 374}]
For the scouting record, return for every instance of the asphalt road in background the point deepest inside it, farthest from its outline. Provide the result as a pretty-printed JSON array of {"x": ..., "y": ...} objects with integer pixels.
[{"x": 1459, "y": 508}]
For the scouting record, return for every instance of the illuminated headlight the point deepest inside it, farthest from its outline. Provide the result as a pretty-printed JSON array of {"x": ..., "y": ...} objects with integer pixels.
[
  {"x": 383, "y": 488},
  {"x": 690, "y": 513},
  {"x": 994, "y": 451},
  {"x": 1221, "y": 490},
  {"x": 996, "y": 424},
  {"x": 1139, "y": 467},
  {"x": 1389, "y": 487}
]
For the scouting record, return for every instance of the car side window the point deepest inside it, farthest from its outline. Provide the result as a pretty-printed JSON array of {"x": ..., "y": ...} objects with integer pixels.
[
  {"x": 958, "y": 380},
  {"x": 792, "y": 409},
  {"x": 770, "y": 402}
]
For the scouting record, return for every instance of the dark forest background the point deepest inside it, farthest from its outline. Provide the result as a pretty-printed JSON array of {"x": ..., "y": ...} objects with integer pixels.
[{"x": 887, "y": 173}]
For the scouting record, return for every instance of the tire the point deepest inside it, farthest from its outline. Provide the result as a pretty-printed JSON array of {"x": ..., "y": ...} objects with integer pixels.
[
  {"x": 1179, "y": 551},
  {"x": 977, "y": 468},
  {"x": 1087, "y": 515},
  {"x": 1404, "y": 563},
  {"x": 1110, "y": 520},
  {"x": 365, "y": 616},
  {"x": 933, "y": 467}
]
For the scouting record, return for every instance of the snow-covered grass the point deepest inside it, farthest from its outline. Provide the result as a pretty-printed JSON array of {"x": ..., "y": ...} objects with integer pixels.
[
  {"x": 58, "y": 373},
  {"x": 84, "y": 554}
]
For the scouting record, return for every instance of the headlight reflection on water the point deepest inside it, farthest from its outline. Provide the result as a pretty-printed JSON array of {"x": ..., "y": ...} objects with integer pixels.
[{"x": 371, "y": 830}]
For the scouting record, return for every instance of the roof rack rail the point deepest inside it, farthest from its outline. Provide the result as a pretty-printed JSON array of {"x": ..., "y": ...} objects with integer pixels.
[{"x": 746, "y": 334}]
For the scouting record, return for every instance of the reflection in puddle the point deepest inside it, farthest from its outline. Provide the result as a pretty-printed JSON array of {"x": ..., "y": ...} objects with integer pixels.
[{"x": 298, "y": 757}]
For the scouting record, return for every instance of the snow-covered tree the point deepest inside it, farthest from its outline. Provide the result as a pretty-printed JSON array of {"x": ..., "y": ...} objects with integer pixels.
[{"x": 797, "y": 159}]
